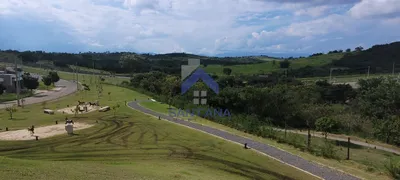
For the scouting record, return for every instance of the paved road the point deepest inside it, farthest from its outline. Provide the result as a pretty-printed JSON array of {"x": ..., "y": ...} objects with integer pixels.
[
  {"x": 313, "y": 168},
  {"x": 352, "y": 141},
  {"x": 67, "y": 87}
]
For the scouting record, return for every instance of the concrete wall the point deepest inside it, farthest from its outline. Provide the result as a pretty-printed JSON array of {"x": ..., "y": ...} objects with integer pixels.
[{"x": 8, "y": 82}]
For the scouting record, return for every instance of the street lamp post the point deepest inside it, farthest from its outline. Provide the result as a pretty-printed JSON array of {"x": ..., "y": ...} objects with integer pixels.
[{"x": 17, "y": 82}]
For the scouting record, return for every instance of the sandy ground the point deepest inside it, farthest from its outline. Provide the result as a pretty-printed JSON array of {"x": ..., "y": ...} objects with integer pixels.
[
  {"x": 42, "y": 132},
  {"x": 70, "y": 110}
]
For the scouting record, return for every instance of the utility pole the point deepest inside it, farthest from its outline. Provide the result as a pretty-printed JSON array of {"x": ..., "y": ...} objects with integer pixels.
[
  {"x": 22, "y": 99},
  {"x": 77, "y": 77},
  {"x": 368, "y": 71},
  {"x": 17, "y": 82}
]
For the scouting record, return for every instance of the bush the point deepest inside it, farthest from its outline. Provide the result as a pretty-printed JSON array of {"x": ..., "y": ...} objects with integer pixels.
[
  {"x": 393, "y": 168},
  {"x": 328, "y": 150},
  {"x": 297, "y": 141}
]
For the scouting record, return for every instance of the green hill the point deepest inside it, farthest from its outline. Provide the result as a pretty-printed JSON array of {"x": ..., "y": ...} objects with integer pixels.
[
  {"x": 273, "y": 66},
  {"x": 380, "y": 58}
]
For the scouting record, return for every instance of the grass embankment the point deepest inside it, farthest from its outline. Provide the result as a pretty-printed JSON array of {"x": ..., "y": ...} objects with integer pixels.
[
  {"x": 271, "y": 67},
  {"x": 131, "y": 145},
  {"x": 365, "y": 163},
  {"x": 12, "y": 96}
]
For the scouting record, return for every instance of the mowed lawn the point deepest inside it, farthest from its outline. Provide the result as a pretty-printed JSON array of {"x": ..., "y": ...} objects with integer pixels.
[
  {"x": 271, "y": 67},
  {"x": 365, "y": 162},
  {"x": 130, "y": 145}
]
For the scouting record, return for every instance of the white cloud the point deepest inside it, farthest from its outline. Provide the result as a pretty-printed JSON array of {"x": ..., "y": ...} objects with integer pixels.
[
  {"x": 313, "y": 11},
  {"x": 373, "y": 8},
  {"x": 306, "y": 30},
  {"x": 392, "y": 21},
  {"x": 199, "y": 26}
]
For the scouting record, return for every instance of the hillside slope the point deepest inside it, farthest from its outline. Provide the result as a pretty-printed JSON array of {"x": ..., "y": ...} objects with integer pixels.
[
  {"x": 273, "y": 66},
  {"x": 380, "y": 58}
]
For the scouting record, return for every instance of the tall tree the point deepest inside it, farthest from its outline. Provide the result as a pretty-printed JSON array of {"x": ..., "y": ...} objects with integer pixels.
[
  {"x": 47, "y": 81},
  {"x": 30, "y": 82},
  {"x": 311, "y": 113},
  {"x": 54, "y": 77},
  {"x": 379, "y": 99},
  {"x": 359, "y": 49},
  {"x": 326, "y": 125}
]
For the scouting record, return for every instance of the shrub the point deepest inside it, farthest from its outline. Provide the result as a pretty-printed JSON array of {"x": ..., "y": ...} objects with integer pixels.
[
  {"x": 393, "y": 168},
  {"x": 297, "y": 141},
  {"x": 328, "y": 150}
]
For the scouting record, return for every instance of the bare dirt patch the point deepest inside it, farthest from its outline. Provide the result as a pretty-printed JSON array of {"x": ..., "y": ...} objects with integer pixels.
[
  {"x": 71, "y": 109},
  {"x": 42, "y": 132}
]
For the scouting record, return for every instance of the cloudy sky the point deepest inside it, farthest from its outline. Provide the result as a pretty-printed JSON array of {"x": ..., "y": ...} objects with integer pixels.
[{"x": 209, "y": 27}]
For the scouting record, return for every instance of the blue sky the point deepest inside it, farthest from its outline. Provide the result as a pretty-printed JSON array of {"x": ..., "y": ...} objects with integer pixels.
[{"x": 208, "y": 27}]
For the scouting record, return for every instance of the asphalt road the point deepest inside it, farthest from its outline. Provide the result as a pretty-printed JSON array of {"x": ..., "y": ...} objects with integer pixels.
[
  {"x": 296, "y": 161},
  {"x": 67, "y": 87}
]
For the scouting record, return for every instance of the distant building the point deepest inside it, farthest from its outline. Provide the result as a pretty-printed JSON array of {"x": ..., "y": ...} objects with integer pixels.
[{"x": 8, "y": 79}]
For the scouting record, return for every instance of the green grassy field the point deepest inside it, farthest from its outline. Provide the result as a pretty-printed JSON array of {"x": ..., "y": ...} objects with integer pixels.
[
  {"x": 83, "y": 78},
  {"x": 130, "y": 145},
  {"x": 44, "y": 87},
  {"x": 12, "y": 96},
  {"x": 88, "y": 69},
  {"x": 347, "y": 78},
  {"x": 263, "y": 58},
  {"x": 270, "y": 67},
  {"x": 366, "y": 163}
]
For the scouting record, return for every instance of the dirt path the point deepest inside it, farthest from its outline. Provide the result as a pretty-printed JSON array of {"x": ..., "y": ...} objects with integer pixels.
[{"x": 42, "y": 132}]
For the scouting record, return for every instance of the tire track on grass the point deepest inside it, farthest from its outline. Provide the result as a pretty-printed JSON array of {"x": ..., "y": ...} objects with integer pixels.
[{"x": 315, "y": 169}]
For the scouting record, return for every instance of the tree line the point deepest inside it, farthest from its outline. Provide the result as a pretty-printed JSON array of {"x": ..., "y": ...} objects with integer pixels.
[
  {"x": 284, "y": 102},
  {"x": 122, "y": 62}
]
